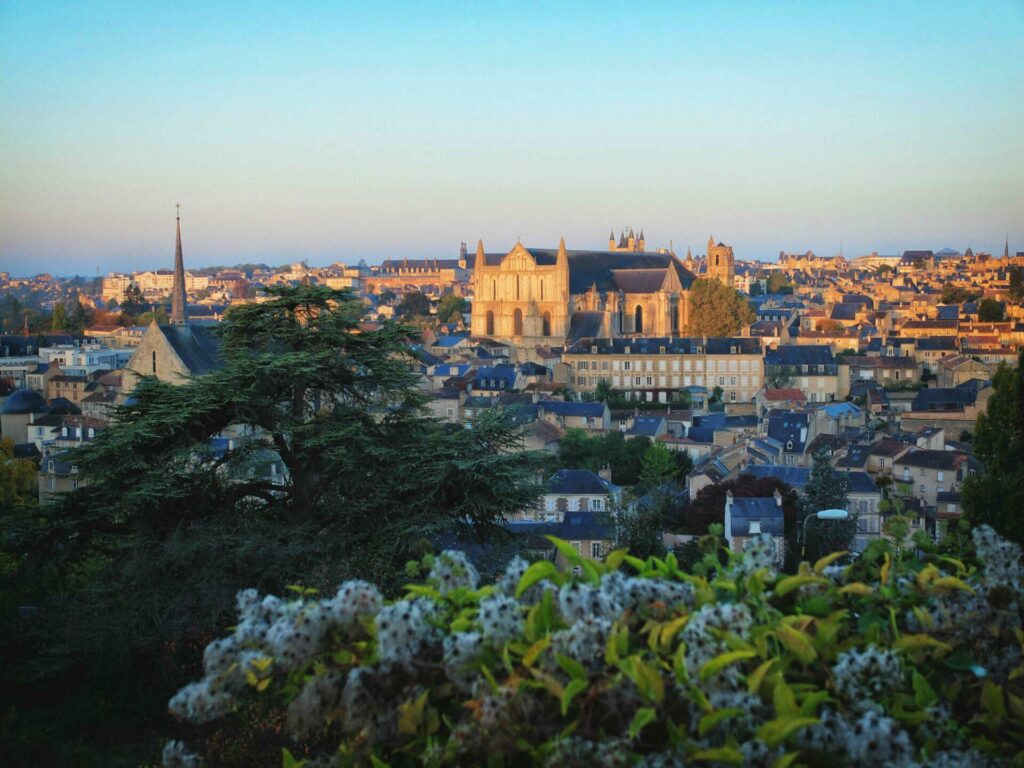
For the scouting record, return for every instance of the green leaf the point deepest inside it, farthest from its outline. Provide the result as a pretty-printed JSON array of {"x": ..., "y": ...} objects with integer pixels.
[
  {"x": 410, "y": 714},
  {"x": 786, "y": 760},
  {"x": 924, "y": 694},
  {"x": 615, "y": 558},
  {"x": 729, "y": 755},
  {"x": 376, "y": 762},
  {"x": 542, "y": 569},
  {"x": 568, "y": 550},
  {"x": 754, "y": 678},
  {"x": 710, "y": 720},
  {"x": 783, "y": 699},
  {"x": 571, "y": 667},
  {"x": 643, "y": 717},
  {"x": 535, "y": 650},
  {"x": 797, "y": 642},
  {"x": 575, "y": 686},
  {"x": 992, "y": 701},
  {"x": 774, "y": 732},
  {"x": 809, "y": 706},
  {"x": 790, "y": 583},
  {"x": 722, "y": 661},
  {"x": 288, "y": 760}
]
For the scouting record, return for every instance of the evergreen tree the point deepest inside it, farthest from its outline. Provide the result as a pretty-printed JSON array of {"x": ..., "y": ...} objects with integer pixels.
[
  {"x": 826, "y": 489},
  {"x": 59, "y": 320},
  {"x": 657, "y": 466},
  {"x": 995, "y": 496}
]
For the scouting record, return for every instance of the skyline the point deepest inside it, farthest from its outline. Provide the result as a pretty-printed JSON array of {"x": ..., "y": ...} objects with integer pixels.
[{"x": 375, "y": 132}]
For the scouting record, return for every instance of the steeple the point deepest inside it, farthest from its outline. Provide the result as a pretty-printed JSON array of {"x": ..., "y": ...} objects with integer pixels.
[
  {"x": 711, "y": 242},
  {"x": 562, "y": 258},
  {"x": 1006, "y": 248},
  {"x": 178, "y": 291},
  {"x": 480, "y": 262}
]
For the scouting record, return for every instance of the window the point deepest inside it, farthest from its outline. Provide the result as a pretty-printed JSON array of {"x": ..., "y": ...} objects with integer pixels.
[
  {"x": 490, "y": 323},
  {"x": 574, "y": 505},
  {"x": 941, "y": 476},
  {"x": 549, "y": 504},
  {"x": 546, "y": 322},
  {"x": 595, "y": 549},
  {"x": 154, "y": 364},
  {"x": 517, "y": 321},
  {"x": 53, "y": 483},
  {"x": 638, "y": 319},
  {"x": 577, "y": 546},
  {"x": 650, "y": 381},
  {"x": 637, "y": 380},
  {"x": 577, "y": 571},
  {"x": 625, "y": 365},
  {"x": 597, "y": 505}
]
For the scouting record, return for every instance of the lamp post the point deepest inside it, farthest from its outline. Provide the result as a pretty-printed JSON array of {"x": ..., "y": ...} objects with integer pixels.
[{"x": 822, "y": 514}]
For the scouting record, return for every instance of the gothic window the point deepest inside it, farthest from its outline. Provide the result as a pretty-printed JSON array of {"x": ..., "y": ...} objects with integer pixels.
[
  {"x": 490, "y": 323},
  {"x": 542, "y": 292},
  {"x": 716, "y": 259},
  {"x": 517, "y": 323},
  {"x": 638, "y": 319},
  {"x": 546, "y": 331},
  {"x": 494, "y": 289},
  {"x": 517, "y": 287},
  {"x": 675, "y": 319},
  {"x": 154, "y": 363}
]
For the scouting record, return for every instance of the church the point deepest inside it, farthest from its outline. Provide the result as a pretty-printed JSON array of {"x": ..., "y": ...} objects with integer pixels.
[{"x": 534, "y": 297}]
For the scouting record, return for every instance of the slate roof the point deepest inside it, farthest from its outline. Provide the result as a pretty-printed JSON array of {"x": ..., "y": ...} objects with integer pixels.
[
  {"x": 861, "y": 482},
  {"x": 198, "y": 346},
  {"x": 930, "y": 459},
  {"x": 583, "y": 324},
  {"x": 789, "y": 428},
  {"x": 24, "y": 401},
  {"x": 794, "y": 477},
  {"x": 576, "y": 526},
  {"x": 579, "y": 481},
  {"x": 805, "y": 354},
  {"x": 563, "y": 408},
  {"x": 646, "y": 426},
  {"x": 496, "y": 377},
  {"x": 765, "y": 511},
  {"x": 944, "y": 399}
]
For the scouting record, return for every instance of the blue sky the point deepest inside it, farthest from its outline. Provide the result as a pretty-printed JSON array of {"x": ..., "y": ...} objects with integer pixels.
[{"x": 340, "y": 131}]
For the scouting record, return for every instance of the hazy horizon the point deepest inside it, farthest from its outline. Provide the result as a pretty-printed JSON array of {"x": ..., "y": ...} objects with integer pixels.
[{"x": 324, "y": 133}]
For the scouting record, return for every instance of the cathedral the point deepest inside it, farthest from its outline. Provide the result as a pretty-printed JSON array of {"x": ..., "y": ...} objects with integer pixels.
[{"x": 534, "y": 297}]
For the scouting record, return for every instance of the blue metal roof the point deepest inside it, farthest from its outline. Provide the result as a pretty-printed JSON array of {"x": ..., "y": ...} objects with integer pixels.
[
  {"x": 794, "y": 477},
  {"x": 565, "y": 408}
]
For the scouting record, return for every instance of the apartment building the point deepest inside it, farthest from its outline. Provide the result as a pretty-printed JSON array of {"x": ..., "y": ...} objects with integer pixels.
[{"x": 652, "y": 369}]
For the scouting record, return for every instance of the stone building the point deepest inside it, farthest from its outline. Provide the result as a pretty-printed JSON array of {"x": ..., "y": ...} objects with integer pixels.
[
  {"x": 720, "y": 263},
  {"x": 535, "y": 297}
]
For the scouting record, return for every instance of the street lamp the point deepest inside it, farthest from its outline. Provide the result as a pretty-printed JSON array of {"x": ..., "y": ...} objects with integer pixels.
[{"x": 821, "y": 514}]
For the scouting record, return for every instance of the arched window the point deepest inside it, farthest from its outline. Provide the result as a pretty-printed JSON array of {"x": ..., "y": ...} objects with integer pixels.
[
  {"x": 542, "y": 292},
  {"x": 494, "y": 289},
  {"x": 638, "y": 319},
  {"x": 517, "y": 323},
  {"x": 490, "y": 323},
  {"x": 517, "y": 287},
  {"x": 547, "y": 323},
  {"x": 154, "y": 362},
  {"x": 716, "y": 259},
  {"x": 674, "y": 309}
]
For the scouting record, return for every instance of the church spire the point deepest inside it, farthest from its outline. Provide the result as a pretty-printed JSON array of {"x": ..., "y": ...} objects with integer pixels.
[
  {"x": 1006, "y": 248},
  {"x": 178, "y": 291}
]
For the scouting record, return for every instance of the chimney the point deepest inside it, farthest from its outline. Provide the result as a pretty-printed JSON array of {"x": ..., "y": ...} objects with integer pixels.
[{"x": 605, "y": 473}]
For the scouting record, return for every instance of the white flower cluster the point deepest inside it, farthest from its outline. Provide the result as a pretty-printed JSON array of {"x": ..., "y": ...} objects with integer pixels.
[
  {"x": 508, "y": 582},
  {"x": 500, "y": 618},
  {"x": 1001, "y": 557},
  {"x": 863, "y": 676},
  {"x": 452, "y": 570},
  {"x": 760, "y": 552},
  {"x": 661, "y": 760},
  {"x": 584, "y": 641},
  {"x": 271, "y": 634},
  {"x": 404, "y": 627},
  {"x": 367, "y": 701},
  {"x": 461, "y": 651},
  {"x": 177, "y": 755},
  {"x": 868, "y": 738},
  {"x": 702, "y": 645}
]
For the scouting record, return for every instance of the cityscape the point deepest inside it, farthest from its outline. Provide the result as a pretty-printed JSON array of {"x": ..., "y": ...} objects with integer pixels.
[{"x": 376, "y": 480}]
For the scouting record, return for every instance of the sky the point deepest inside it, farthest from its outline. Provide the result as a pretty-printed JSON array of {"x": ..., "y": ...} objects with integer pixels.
[{"x": 341, "y": 131}]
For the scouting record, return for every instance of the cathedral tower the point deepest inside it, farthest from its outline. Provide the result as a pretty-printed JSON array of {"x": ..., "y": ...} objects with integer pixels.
[{"x": 178, "y": 314}]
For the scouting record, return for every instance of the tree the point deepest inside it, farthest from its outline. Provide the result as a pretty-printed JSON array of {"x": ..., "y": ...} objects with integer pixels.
[
  {"x": 990, "y": 311},
  {"x": 778, "y": 282},
  {"x": 59, "y": 321},
  {"x": 825, "y": 489},
  {"x": 657, "y": 466},
  {"x": 756, "y": 289},
  {"x": 451, "y": 308},
  {"x": 414, "y": 304},
  {"x": 641, "y": 530},
  {"x": 17, "y": 477},
  {"x": 79, "y": 317},
  {"x": 158, "y": 313},
  {"x": 995, "y": 495},
  {"x": 716, "y": 394},
  {"x": 603, "y": 390},
  {"x": 132, "y": 305},
  {"x": 780, "y": 376},
  {"x": 169, "y": 525},
  {"x": 1016, "y": 283},
  {"x": 717, "y": 310},
  {"x": 387, "y": 296},
  {"x": 952, "y": 294}
]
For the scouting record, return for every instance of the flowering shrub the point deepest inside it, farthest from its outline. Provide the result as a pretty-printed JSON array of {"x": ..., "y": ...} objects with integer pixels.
[{"x": 884, "y": 662}]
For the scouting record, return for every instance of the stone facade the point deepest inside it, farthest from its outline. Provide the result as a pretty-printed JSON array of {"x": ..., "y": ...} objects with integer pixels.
[
  {"x": 534, "y": 297},
  {"x": 720, "y": 263}
]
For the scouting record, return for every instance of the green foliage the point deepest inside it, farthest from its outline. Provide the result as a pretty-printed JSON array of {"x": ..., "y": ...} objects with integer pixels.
[
  {"x": 780, "y": 376},
  {"x": 59, "y": 319},
  {"x": 579, "y": 450},
  {"x": 717, "y": 310},
  {"x": 133, "y": 304},
  {"x": 138, "y": 562},
  {"x": 778, "y": 282},
  {"x": 991, "y": 311},
  {"x": 414, "y": 304},
  {"x": 17, "y": 477},
  {"x": 952, "y": 294},
  {"x": 826, "y": 489},
  {"x": 995, "y": 496},
  {"x": 887, "y": 661},
  {"x": 451, "y": 308}
]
